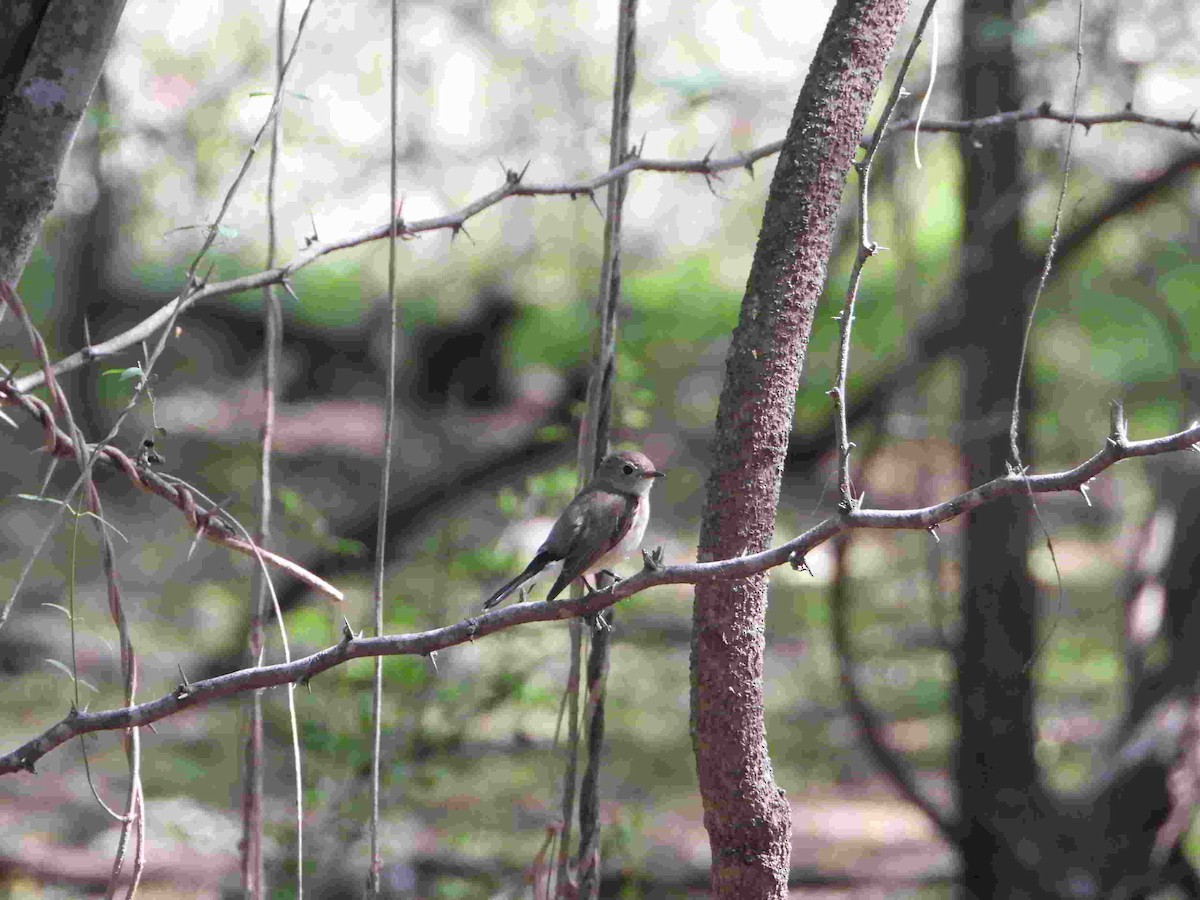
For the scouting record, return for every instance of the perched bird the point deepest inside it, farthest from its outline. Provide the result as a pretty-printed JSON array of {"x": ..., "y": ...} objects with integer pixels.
[{"x": 602, "y": 525}]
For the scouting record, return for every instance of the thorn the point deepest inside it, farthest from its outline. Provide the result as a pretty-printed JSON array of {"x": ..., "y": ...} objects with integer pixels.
[
  {"x": 592, "y": 196},
  {"x": 1119, "y": 428},
  {"x": 347, "y": 633},
  {"x": 654, "y": 559},
  {"x": 312, "y": 239},
  {"x": 521, "y": 176},
  {"x": 748, "y": 165},
  {"x": 1044, "y": 108},
  {"x": 432, "y": 657},
  {"x": 599, "y": 623},
  {"x": 183, "y": 675},
  {"x": 287, "y": 286},
  {"x": 708, "y": 155},
  {"x": 1083, "y": 489},
  {"x": 505, "y": 169},
  {"x": 641, "y": 145},
  {"x": 932, "y": 529}
]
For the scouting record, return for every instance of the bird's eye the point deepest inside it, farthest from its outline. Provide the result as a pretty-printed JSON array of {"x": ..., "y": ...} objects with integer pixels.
[{"x": 627, "y": 469}]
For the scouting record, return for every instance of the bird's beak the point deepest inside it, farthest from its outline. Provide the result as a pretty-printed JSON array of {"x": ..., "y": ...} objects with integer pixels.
[{"x": 656, "y": 475}]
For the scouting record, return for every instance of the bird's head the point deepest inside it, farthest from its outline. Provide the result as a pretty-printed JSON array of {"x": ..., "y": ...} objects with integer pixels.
[{"x": 628, "y": 471}]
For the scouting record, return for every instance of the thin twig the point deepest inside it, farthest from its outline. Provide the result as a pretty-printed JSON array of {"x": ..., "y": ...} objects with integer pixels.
[
  {"x": 933, "y": 66},
  {"x": 376, "y": 863},
  {"x": 1015, "y": 425},
  {"x": 594, "y": 438},
  {"x": 129, "y": 668},
  {"x": 1014, "y": 428},
  {"x": 866, "y": 249}
]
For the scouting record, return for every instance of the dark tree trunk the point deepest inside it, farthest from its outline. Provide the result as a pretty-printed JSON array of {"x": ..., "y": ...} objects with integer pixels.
[
  {"x": 995, "y": 772},
  {"x": 747, "y": 816},
  {"x": 51, "y": 53}
]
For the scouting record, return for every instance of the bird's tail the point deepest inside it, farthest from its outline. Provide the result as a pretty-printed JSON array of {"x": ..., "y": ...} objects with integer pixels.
[{"x": 539, "y": 562}]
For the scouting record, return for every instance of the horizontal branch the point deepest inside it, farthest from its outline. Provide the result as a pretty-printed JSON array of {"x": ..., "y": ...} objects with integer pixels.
[
  {"x": 1116, "y": 448},
  {"x": 1049, "y": 113},
  {"x": 515, "y": 186}
]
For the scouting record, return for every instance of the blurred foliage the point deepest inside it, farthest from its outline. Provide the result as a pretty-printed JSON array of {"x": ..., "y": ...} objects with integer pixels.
[{"x": 474, "y": 770}]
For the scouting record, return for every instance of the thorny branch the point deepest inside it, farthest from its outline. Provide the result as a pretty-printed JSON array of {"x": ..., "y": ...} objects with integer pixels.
[
  {"x": 866, "y": 249},
  {"x": 515, "y": 186},
  {"x": 209, "y": 523},
  {"x": 1117, "y": 447}
]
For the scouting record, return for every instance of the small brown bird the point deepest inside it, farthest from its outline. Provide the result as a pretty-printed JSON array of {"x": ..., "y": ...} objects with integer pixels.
[{"x": 601, "y": 526}]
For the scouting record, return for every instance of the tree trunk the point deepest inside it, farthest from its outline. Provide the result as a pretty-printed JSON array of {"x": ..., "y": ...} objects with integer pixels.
[
  {"x": 995, "y": 772},
  {"x": 51, "y": 53},
  {"x": 747, "y": 816}
]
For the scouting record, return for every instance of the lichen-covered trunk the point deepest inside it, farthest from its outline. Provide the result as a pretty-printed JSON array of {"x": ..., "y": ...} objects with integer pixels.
[{"x": 746, "y": 814}]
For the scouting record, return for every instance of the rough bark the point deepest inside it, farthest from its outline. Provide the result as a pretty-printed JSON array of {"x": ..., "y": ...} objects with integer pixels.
[
  {"x": 746, "y": 814},
  {"x": 995, "y": 772},
  {"x": 51, "y": 54}
]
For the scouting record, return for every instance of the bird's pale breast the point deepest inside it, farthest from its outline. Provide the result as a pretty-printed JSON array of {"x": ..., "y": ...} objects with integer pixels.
[{"x": 631, "y": 540}]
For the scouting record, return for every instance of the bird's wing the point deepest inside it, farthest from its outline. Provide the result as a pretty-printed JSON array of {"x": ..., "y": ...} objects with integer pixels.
[
  {"x": 610, "y": 518},
  {"x": 566, "y": 531}
]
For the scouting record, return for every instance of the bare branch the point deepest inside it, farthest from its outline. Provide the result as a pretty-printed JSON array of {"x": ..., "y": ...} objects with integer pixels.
[
  {"x": 395, "y": 226},
  {"x": 1047, "y": 112},
  {"x": 210, "y": 523},
  {"x": 866, "y": 249},
  {"x": 1116, "y": 448},
  {"x": 516, "y": 187}
]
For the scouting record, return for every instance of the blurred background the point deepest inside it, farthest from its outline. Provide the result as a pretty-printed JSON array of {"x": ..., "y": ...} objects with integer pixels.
[{"x": 495, "y": 340}]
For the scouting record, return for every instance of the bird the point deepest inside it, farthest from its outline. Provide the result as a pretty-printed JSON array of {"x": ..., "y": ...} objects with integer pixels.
[{"x": 602, "y": 525}]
